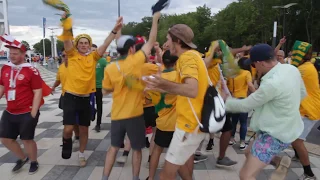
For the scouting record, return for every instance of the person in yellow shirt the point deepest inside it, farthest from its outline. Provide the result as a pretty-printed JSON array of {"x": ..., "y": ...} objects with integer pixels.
[
  {"x": 149, "y": 113},
  {"x": 190, "y": 86},
  {"x": 124, "y": 79},
  {"x": 215, "y": 75},
  {"x": 165, "y": 105},
  {"x": 309, "y": 110},
  {"x": 79, "y": 84},
  {"x": 238, "y": 87},
  {"x": 60, "y": 79}
]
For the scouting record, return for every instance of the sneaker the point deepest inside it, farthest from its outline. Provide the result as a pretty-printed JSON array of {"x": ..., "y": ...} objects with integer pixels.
[
  {"x": 82, "y": 161},
  {"x": 243, "y": 146},
  {"x": 34, "y": 166},
  {"x": 306, "y": 177},
  {"x": 225, "y": 162},
  {"x": 97, "y": 128},
  {"x": 199, "y": 158},
  {"x": 282, "y": 170},
  {"x": 76, "y": 145},
  {"x": 232, "y": 142},
  {"x": 19, "y": 164},
  {"x": 122, "y": 159},
  {"x": 210, "y": 146}
]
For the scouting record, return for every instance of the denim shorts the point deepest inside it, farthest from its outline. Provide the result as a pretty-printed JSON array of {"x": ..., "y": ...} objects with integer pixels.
[{"x": 265, "y": 147}]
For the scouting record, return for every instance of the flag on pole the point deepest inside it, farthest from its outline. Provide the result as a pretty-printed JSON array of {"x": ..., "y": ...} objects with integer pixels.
[{"x": 44, "y": 20}]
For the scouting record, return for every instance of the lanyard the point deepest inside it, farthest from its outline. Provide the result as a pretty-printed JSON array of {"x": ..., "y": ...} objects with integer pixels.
[{"x": 13, "y": 81}]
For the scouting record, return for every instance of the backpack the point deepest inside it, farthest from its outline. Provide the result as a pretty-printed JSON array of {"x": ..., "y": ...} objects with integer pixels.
[{"x": 213, "y": 114}]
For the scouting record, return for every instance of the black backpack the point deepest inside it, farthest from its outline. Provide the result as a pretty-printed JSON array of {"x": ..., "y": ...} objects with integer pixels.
[{"x": 213, "y": 114}]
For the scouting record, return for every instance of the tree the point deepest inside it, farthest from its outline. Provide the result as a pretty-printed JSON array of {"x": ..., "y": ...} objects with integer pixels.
[
  {"x": 244, "y": 22},
  {"x": 60, "y": 45},
  {"x": 38, "y": 47},
  {"x": 26, "y": 44}
]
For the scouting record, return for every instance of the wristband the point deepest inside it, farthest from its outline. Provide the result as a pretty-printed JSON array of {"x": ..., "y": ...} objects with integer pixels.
[{"x": 113, "y": 32}]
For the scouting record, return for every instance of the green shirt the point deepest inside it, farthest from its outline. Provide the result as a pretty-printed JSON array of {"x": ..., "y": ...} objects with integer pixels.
[
  {"x": 101, "y": 64},
  {"x": 276, "y": 103}
]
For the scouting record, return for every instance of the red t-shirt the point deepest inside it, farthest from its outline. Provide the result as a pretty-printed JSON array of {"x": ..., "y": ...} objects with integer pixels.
[{"x": 28, "y": 80}]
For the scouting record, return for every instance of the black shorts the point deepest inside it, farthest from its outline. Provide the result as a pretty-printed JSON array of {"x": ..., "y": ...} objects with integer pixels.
[
  {"x": 61, "y": 102},
  {"x": 135, "y": 130},
  {"x": 150, "y": 116},
  {"x": 228, "y": 124},
  {"x": 163, "y": 138},
  {"x": 13, "y": 125},
  {"x": 76, "y": 110}
]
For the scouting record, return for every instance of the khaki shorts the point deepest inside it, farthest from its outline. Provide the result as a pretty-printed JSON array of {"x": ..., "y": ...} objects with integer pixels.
[{"x": 182, "y": 146}]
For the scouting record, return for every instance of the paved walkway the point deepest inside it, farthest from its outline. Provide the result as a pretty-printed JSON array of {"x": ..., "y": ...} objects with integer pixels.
[{"x": 53, "y": 167}]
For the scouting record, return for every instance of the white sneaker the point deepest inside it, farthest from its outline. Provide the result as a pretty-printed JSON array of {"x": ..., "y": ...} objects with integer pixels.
[
  {"x": 306, "y": 177},
  {"x": 76, "y": 145},
  {"x": 122, "y": 159},
  {"x": 243, "y": 146},
  {"x": 232, "y": 142}
]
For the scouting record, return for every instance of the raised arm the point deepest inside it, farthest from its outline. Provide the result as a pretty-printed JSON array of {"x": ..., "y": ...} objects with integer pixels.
[
  {"x": 146, "y": 48},
  {"x": 282, "y": 41},
  {"x": 207, "y": 60},
  {"x": 111, "y": 37}
]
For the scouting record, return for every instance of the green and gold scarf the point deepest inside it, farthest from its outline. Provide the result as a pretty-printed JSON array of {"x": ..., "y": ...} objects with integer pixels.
[
  {"x": 66, "y": 22},
  {"x": 229, "y": 67},
  {"x": 300, "y": 49}
]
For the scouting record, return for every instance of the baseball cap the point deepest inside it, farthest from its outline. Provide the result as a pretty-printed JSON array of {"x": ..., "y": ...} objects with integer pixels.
[
  {"x": 127, "y": 39},
  {"x": 184, "y": 33},
  {"x": 260, "y": 52}
]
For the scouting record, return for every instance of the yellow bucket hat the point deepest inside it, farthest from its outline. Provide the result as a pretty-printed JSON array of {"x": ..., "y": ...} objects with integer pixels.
[{"x": 76, "y": 40}]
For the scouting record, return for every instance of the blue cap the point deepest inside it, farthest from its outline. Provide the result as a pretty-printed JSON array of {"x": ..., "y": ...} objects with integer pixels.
[{"x": 260, "y": 52}]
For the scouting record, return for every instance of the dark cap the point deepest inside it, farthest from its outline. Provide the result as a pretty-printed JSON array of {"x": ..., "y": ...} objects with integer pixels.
[
  {"x": 260, "y": 52},
  {"x": 184, "y": 33}
]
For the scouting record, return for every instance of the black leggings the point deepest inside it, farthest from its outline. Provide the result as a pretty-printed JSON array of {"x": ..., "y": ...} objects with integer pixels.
[{"x": 99, "y": 105}]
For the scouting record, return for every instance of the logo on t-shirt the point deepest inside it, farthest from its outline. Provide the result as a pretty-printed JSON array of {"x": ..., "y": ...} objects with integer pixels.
[
  {"x": 98, "y": 66},
  {"x": 20, "y": 77}
]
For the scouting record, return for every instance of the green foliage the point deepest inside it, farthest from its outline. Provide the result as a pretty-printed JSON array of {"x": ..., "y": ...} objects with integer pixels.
[
  {"x": 38, "y": 47},
  {"x": 246, "y": 22}
]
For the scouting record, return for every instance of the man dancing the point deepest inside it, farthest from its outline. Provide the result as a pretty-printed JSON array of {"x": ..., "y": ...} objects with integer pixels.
[
  {"x": 276, "y": 104},
  {"x": 80, "y": 83},
  {"x": 123, "y": 79}
]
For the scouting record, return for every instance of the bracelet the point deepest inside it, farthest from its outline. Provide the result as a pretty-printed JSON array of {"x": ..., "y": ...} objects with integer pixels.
[{"x": 113, "y": 32}]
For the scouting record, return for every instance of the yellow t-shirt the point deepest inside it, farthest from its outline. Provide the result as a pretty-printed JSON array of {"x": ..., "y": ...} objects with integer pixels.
[
  {"x": 165, "y": 104},
  {"x": 190, "y": 65},
  {"x": 108, "y": 59},
  {"x": 147, "y": 70},
  {"x": 238, "y": 86},
  {"x": 81, "y": 72},
  {"x": 127, "y": 102},
  {"x": 254, "y": 72},
  {"x": 214, "y": 74},
  {"x": 310, "y": 106},
  {"x": 61, "y": 76}
]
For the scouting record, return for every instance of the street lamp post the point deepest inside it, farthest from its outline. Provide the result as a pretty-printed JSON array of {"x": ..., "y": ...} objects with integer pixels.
[
  {"x": 118, "y": 8},
  {"x": 285, "y": 7}
]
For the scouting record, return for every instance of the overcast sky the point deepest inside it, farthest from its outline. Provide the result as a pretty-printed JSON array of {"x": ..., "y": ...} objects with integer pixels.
[{"x": 95, "y": 17}]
